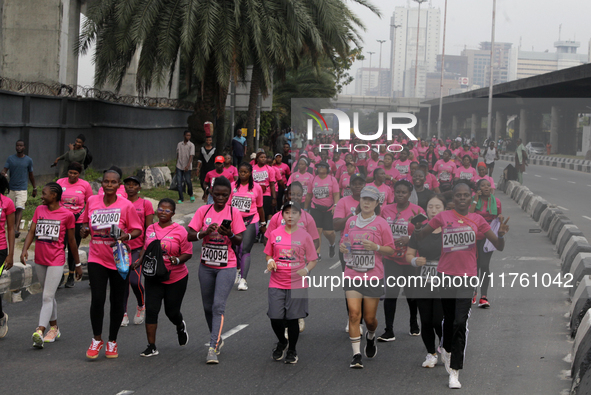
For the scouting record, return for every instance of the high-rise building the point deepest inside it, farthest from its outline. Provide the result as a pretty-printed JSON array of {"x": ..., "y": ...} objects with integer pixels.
[
  {"x": 479, "y": 64},
  {"x": 369, "y": 82},
  {"x": 530, "y": 63},
  {"x": 404, "y": 34}
]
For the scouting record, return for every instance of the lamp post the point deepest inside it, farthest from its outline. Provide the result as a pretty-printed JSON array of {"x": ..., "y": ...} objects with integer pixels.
[
  {"x": 380, "y": 68},
  {"x": 442, "y": 71},
  {"x": 369, "y": 82},
  {"x": 492, "y": 58},
  {"x": 392, "y": 58},
  {"x": 418, "y": 35}
]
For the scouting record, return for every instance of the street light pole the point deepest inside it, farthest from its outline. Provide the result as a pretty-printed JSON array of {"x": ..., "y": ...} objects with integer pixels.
[
  {"x": 442, "y": 71},
  {"x": 392, "y": 57},
  {"x": 369, "y": 82},
  {"x": 492, "y": 58},
  {"x": 418, "y": 35},
  {"x": 380, "y": 68}
]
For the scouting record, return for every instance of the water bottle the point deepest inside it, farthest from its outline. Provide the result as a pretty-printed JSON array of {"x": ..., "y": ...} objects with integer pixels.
[{"x": 347, "y": 255}]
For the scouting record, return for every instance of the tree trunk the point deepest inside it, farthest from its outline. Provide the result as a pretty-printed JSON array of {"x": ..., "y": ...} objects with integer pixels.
[
  {"x": 205, "y": 105},
  {"x": 255, "y": 86}
]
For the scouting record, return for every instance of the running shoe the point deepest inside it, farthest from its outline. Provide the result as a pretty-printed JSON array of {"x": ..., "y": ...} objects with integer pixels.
[
  {"x": 474, "y": 297},
  {"x": 70, "y": 281},
  {"x": 430, "y": 361},
  {"x": 52, "y": 335},
  {"x": 17, "y": 297},
  {"x": 454, "y": 379},
  {"x": 218, "y": 349},
  {"x": 211, "y": 356},
  {"x": 414, "y": 329},
  {"x": 356, "y": 362},
  {"x": 150, "y": 351},
  {"x": 371, "y": 349},
  {"x": 483, "y": 303},
  {"x": 301, "y": 324},
  {"x": 112, "y": 350},
  {"x": 95, "y": 347},
  {"x": 140, "y": 315},
  {"x": 331, "y": 251},
  {"x": 3, "y": 325},
  {"x": 279, "y": 351},
  {"x": 446, "y": 358},
  {"x": 192, "y": 199},
  {"x": 125, "y": 320},
  {"x": 291, "y": 357},
  {"x": 387, "y": 336},
  {"x": 37, "y": 339},
  {"x": 242, "y": 285},
  {"x": 182, "y": 334},
  {"x": 319, "y": 257}
]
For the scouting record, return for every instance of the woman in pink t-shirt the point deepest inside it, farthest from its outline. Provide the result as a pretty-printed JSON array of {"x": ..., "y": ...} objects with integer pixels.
[
  {"x": 103, "y": 215},
  {"x": 282, "y": 173},
  {"x": 75, "y": 194},
  {"x": 366, "y": 240},
  {"x": 176, "y": 251},
  {"x": 445, "y": 168},
  {"x": 460, "y": 229},
  {"x": 302, "y": 175},
  {"x": 145, "y": 213},
  {"x": 220, "y": 228},
  {"x": 291, "y": 256},
  {"x": 229, "y": 168},
  {"x": 431, "y": 156},
  {"x": 466, "y": 171},
  {"x": 482, "y": 175},
  {"x": 403, "y": 163},
  {"x": 247, "y": 197},
  {"x": 386, "y": 193},
  {"x": 345, "y": 180},
  {"x": 51, "y": 226},
  {"x": 7, "y": 211},
  {"x": 264, "y": 175},
  {"x": 212, "y": 175}
]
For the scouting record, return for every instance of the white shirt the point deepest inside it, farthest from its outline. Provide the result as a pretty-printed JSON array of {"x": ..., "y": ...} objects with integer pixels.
[{"x": 490, "y": 156}]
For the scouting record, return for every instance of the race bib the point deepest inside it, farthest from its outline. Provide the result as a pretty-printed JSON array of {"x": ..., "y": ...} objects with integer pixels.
[
  {"x": 347, "y": 192},
  {"x": 242, "y": 203},
  {"x": 47, "y": 229},
  {"x": 105, "y": 218},
  {"x": 382, "y": 197},
  {"x": 429, "y": 270},
  {"x": 458, "y": 239},
  {"x": 465, "y": 176},
  {"x": 362, "y": 260},
  {"x": 214, "y": 254},
  {"x": 260, "y": 176},
  {"x": 399, "y": 230},
  {"x": 320, "y": 192},
  {"x": 402, "y": 169},
  {"x": 445, "y": 176}
]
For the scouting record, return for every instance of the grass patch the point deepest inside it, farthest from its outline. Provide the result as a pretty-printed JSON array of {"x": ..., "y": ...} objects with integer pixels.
[
  {"x": 32, "y": 203},
  {"x": 92, "y": 175},
  {"x": 159, "y": 193}
]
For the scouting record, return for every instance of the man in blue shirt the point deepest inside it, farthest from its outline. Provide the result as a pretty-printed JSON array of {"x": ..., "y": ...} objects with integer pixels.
[
  {"x": 238, "y": 147},
  {"x": 20, "y": 167}
]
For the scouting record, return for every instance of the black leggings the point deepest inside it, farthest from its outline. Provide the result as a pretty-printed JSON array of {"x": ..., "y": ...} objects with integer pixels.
[
  {"x": 457, "y": 304},
  {"x": 171, "y": 294},
  {"x": 293, "y": 331},
  {"x": 483, "y": 263},
  {"x": 431, "y": 313},
  {"x": 394, "y": 270},
  {"x": 99, "y": 276},
  {"x": 71, "y": 263}
]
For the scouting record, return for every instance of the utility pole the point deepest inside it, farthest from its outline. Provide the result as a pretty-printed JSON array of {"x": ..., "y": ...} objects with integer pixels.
[
  {"x": 418, "y": 36},
  {"x": 492, "y": 59},
  {"x": 392, "y": 57},
  {"x": 380, "y": 68},
  {"x": 442, "y": 71},
  {"x": 369, "y": 82}
]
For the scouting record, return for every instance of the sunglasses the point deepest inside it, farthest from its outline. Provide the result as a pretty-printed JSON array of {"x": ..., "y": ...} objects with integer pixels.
[{"x": 167, "y": 211}]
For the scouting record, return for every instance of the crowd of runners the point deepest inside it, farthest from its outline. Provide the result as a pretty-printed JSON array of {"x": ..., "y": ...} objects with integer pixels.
[{"x": 426, "y": 211}]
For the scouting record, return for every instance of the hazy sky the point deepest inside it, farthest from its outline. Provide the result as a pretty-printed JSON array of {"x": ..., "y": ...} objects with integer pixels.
[{"x": 469, "y": 23}]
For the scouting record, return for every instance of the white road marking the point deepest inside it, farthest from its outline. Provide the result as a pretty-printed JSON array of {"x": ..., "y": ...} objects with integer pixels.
[
  {"x": 335, "y": 265},
  {"x": 572, "y": 182},
  {"x": 231, "y": 332},
  {"x": 527, "y": 258},
  {"x": 552, "y": 178},
  {"x": 125, "y": 392},
  {"x": 562, "y": 208},
  {"x": 589, "y": 218},
  {"x": 537, "y": 175},
  {"x": 589, "y": 185}
]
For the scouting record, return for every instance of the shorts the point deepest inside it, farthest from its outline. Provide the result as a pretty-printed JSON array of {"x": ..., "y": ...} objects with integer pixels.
[
  {"x": 365, "y": 288},
  {"x": 491, "y": 165},
  {"x": 287, "y": 304},
  {"x": 268, "y": 206},
  {"x": 322, "y": 218},
  {"x": 19, "y": 198}
]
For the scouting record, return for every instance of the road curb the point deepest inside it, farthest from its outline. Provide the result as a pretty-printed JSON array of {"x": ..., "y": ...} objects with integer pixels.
[
  {"x": 581, "y": 302},
  {"x": 580, "y": 269},
  {"x": 575, "y": 245},
  {"x": 581, "y": 357},
  {"x": 565, "y": 235},
  {"x": 552, "y": 161}
]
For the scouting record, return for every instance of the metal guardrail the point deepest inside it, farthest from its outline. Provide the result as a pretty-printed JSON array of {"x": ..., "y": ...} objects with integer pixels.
[{"x": 76, "y": 91}]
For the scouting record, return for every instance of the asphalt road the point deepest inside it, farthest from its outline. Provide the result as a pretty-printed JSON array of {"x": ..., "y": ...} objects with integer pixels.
[{"x": 516, "y": 347}]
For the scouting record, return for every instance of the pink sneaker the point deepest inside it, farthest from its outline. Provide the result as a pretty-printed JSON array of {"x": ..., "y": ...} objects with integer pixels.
[
  {"x": 95, "y": 347},
  {"x": 111, "y": 351},
  {"x": 140, "y": 315},
  {"x": 52, "y": 335}
]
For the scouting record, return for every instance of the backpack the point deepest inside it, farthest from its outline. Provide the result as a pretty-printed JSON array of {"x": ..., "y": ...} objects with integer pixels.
[
  {"x": 510, "y": 173},
  {"x": 87, "y": 158},
  {"x": 153, "y": 263}
]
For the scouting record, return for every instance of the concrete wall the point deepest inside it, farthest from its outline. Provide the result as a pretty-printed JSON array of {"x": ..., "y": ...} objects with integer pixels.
[{"x": 124, "y": 135}]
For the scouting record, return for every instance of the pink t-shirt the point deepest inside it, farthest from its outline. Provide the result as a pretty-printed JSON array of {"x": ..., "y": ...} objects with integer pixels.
[
  {"x": 339, "y": 163},
  {"x": 216, "y": 250},
  {"x": 74, "y": 196},
  {"x": 486, "y": 177},
  {"x": 345, "y": 184},
  {"x": 465, "y": 174},
  {"x": 378, "y": 232},
  {"x": 213, "y": 174},
  {"x": 306, "y": 223},
  {"x": 392, "y": 171},
  {"x": 282, "y": 172},
  {"x": 291, "y": 253},
  {"x": 400, "y": 226},
  {"x": 475, "y": 152},
  {"x": 6, "y": 208},
  {"x": 422, "y": 151},
  {"x": 304, "y": 179},
  {"x": 460, "y": 155},
  {"x": 143, "y": 208},
  {"x": 370, "y": 166},
  {"x": 247, "y": 202},
  {"x": 100, "y": 218},
  {"x": 440, "y": 149},
  {"x": 458, "y": 255},
  {"x": 345, "y": 206},
  {"x": 174, "y": 242},
  {"x": 445, "y": 170},
  {"x": 402, "y": 167},
  {"x": 233, "y": 170},
  {"x": 120, "y": 192},
  {"x": 322, "y": 190},
  {"x": 386, "y": 193},
  {"x": 431, "y": 181},
  {"x": 264, "y": 176},
  {"x": 50, "y": 233}
]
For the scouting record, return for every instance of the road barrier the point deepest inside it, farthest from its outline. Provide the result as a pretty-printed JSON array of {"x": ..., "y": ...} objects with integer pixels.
[{"x": 553, "y": 161}]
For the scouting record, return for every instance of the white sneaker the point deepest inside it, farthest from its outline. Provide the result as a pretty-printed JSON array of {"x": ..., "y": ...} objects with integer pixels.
[
  {"x": 140, "y": 316},
  {"x": 446, "y": 358},
  {"x": 3, "y": 325},
  {"x": 237, "y": 279},
  {"x": 242, "y": 285},
  {"x": 301, "y": 324},
  {"x": 430, "y": 361},
  {"x": 17, "y": 297},
  {"x": 125, "y": 320},
  {"x": 454, "y": 379}
]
